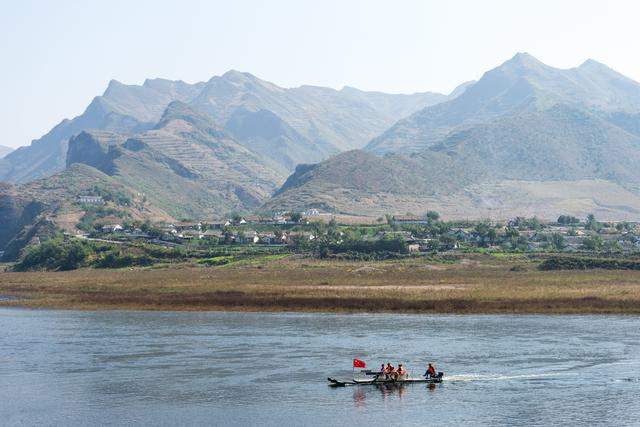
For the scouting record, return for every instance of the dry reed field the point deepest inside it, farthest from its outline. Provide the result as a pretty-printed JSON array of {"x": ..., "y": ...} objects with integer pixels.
[{"x": 477, "y": 284}]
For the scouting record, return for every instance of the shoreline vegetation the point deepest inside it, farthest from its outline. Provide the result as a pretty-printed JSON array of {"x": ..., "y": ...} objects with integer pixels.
[
  {"x": 402, "y": 264},
  {"x": 463, "y": 284}
]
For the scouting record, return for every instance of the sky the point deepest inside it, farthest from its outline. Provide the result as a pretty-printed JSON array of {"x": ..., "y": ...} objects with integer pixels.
[{"x": 58, "y": 55}]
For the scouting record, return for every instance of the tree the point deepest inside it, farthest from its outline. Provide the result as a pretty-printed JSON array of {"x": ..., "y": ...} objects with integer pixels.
[
  {"x": 523, "y": 223},
  {"x": 433, "y": 215},
  {"x": 448, "y": 242},
  {"x": 592, "y": 223},
  {"x": 592, "y": 243},
  {"x": 567, "y": 220},
  {"x": 521, "y": 243},
  {"x": 512, "y": 233},
  {"x": 296, "y": 217},
  {"x": 392, "y": 222},
  {"x": 54, "y": 254},
  {"x": 492, "y": 235},
  {"x": 485, "y": 233},
  {"x": 623, "y": 226},
  {"x": 228, "y": 235},
  {"x": 612, "y": 246},
  {"x": 557, "y": 241},
  {"x": 433, "y": 245}
]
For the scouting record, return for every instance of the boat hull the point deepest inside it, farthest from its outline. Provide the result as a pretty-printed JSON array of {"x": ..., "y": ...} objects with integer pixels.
[{"x": 337, "y": 383}]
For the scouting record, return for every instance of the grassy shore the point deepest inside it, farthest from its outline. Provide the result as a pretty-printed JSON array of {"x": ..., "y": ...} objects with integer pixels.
[{"x": 469, "y": 284}]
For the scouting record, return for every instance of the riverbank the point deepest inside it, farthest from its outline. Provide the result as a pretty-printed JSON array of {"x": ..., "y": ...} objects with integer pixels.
[{"x": 474, "y": 284}]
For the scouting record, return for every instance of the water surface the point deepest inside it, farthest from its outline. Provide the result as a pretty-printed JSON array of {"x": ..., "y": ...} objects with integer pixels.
[{"x": 115, "y": 368}]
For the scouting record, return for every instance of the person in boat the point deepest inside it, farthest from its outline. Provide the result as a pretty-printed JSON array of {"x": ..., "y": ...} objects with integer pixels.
[
  {"x": 431, "y": 371},
  {"x": 380, "y": 373},
  {"x": 398, "y": 373},
  {"x": 388, "y": 370},
  {"x": 401, "y": 372}
]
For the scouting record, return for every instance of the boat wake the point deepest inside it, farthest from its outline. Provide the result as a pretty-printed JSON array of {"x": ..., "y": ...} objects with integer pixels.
[{"x": 500, "y": 377}]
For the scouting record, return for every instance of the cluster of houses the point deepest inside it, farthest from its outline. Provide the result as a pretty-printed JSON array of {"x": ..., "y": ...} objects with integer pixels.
[
  {"x": 573, "y": 236},
  {"x": 251, "y": 230},
  {"x": 236, "y": 230}
]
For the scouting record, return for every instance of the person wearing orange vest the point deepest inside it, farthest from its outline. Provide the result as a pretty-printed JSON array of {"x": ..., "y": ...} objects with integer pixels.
[
  {"x": 388, "y": 370},
  {"x": 401, "y": 371}
]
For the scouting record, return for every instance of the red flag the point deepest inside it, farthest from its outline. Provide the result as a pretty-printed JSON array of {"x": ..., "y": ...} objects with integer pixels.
[{"x": 357, "y": 363}]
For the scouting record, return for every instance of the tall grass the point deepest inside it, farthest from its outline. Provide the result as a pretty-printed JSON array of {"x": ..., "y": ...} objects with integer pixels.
[{"x": 478, "y": 284}]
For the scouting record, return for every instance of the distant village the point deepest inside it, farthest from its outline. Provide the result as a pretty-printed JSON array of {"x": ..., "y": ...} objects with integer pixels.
[{"x": 426, "y": 233}]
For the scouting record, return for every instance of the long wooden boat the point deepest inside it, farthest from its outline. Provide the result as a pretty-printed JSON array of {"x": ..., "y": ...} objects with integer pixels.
[{"x": 381, "y": 381}]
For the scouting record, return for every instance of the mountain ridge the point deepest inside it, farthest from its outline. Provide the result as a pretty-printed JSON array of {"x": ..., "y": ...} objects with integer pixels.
[
  {"x": 518, "y": 84},
  {"x": 329, "y": 120},
  {"x": 526, "y": 138}
]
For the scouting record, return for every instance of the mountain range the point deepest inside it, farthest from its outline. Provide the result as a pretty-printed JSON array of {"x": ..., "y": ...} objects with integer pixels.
[
  {"x": 311, "y": 122},
  {"x": 525, "y": 139},
  {"x": 175, "y": 150}
]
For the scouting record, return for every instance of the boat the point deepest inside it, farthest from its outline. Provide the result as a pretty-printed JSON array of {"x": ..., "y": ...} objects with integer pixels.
[{"x": 376, "y": 380}]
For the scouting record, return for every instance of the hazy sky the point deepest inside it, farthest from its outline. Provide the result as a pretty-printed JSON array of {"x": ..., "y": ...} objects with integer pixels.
[{"x": 57, "y": 55}]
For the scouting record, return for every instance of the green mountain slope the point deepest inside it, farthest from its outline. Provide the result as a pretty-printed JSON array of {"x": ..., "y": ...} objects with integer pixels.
[
  {"x": 186, "y": 166},
  {"x": 38, "y": 209}
]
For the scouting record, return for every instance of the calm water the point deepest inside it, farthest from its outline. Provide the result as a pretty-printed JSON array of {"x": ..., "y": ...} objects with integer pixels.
[{"x": 79, "y": 368}]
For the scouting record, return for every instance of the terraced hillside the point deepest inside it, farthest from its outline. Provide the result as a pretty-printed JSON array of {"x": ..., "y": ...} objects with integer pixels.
[
  {"x": 186, "y": 166},
  {"x": 315, "y": 122},
  {"x": 43, "y": 207},
  {"x": 122, "y": 108}
]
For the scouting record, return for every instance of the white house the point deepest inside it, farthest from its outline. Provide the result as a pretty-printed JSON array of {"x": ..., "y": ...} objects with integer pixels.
[
  {"x": 90, "y": 200},
  {"x": 112, "y": 228}
]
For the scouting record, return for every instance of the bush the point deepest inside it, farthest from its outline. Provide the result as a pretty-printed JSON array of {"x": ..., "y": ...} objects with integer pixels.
[
  {"x": 218, "y": 260},
  {"x": 574, "y": 263},
  {"x": 568, "y": 220},
  {"x": 592, "y": 243},
  {"x": 54, "y": 254},
  {"x": 112, "y": 195},
  {"x": 94, "y": 213},
  {"x": 393, "y": 245},
  {"x": 374, "y": 256},
  {"x": 116, "y": 259}
]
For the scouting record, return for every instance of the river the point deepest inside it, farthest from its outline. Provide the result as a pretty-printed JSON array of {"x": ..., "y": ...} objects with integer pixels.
[{"x": 161, "y": 368}]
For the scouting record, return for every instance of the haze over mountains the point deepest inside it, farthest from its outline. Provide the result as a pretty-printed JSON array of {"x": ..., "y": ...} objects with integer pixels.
[
  {"x": 525, "y": 139},
  {"x": 174, "y": 150},
  {"x": 4, "y": 151},
  {"x": 315, "y": 122},
  {"x": 519, "y": 85}
]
